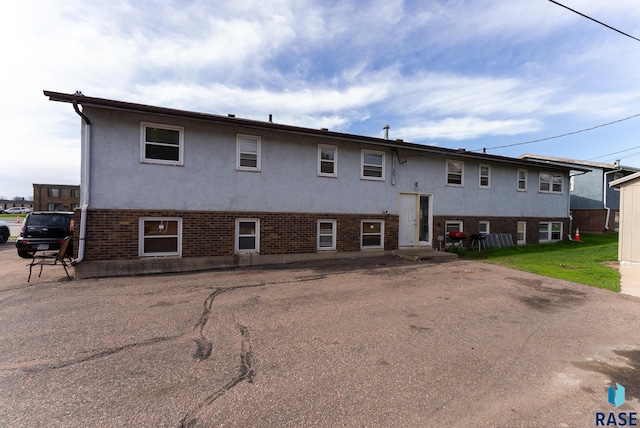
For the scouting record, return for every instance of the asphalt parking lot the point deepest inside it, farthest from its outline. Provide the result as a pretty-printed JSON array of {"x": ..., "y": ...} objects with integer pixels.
[{"x": 367, "y": 342}]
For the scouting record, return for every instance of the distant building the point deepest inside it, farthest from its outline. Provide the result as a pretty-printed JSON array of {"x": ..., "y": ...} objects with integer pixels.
[
  {"x": 15, "y": 202},
  {"x": 55, "y": 197}
]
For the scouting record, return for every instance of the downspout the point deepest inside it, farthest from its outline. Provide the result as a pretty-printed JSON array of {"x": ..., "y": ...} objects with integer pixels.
[
  {"x": 84, "y": 180},
  {"x": 604, "y": 193}
]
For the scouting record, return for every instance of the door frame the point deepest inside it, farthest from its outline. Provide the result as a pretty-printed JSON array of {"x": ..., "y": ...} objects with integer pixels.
[{"x": 417, "y": 196}]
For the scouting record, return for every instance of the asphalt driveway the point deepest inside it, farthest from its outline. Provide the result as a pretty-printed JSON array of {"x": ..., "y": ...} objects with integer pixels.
[{"x": 368, "y": 342}]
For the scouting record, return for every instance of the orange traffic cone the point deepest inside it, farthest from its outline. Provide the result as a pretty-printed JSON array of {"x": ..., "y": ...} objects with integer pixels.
[
  {"x": 577, "y": 234},
  {"x": 18, "y": 219}
]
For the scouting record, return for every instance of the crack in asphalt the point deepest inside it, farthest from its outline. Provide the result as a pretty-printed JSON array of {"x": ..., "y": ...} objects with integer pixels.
[{"x": 245, "y": 373}]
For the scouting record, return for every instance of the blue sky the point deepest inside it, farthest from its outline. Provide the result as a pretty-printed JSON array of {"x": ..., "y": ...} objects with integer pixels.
[{"x": 451, "y": 73}]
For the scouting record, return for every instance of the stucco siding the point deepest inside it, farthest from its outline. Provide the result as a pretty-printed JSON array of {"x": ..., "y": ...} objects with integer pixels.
[{"x": 288, "y": 180}]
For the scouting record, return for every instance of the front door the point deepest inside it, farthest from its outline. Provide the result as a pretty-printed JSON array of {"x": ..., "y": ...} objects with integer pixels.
[{"x": 407, "y": 228}]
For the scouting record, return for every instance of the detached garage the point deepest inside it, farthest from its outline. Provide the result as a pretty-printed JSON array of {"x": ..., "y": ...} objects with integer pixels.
[{"x": 629, "y": 241}]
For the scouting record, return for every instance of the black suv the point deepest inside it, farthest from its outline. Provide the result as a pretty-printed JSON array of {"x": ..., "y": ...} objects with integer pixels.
[{"x": 44, "y": 231}]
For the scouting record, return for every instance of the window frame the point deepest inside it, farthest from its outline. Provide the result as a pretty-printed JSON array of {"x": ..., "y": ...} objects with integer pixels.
[
  {"x": 487, "y": 225},
  {"x": 461, "y": 174},
  {"x": 256, "y": 235},
  {"x": 480, "y": 176},
  {"x": 333, "y": 235},
  {"x": 334, "y": 162},
  {"x": 54, "y": 192},
  {"x": 550, "y": 182},
  {"x": 522, "y": 180},
  {"x": 524, "y": 233},
  {"x": 382, "y": 167},
  {"x": 144, "y": 142},
  {"x": 363, "y": 234},
  {"x": 142, "y": 236},
  {"x": 258, "y": 141},
  {"x": 550, "y": 232}
]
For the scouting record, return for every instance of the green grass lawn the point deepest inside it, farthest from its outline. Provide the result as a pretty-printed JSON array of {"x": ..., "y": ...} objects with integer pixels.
[{"x": 584, "y": 262}]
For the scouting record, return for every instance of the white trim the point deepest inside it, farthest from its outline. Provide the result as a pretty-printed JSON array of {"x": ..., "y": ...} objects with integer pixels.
[
  {"x": 549, "y": 237},
  {"x": 144, "y": 142},
  {"x": 446, "y": 173},
  {"x": 551, "y": 175},
  {"x": 258, "y": 141},
  {"x": 363, "y": 234},
  {"x": 480, "y": 176},
  {"x": 142, "y": 236},
  {"x": 487, "y": 230},
  {"x": 334, "y": 161},
  {"x": 362, "y": 165},
  {"x": 524, "y": 180},
  {"x": 255, "y": 235},
  {"x": 333, "y": 235},
  {"x": 524, "y": 233}
]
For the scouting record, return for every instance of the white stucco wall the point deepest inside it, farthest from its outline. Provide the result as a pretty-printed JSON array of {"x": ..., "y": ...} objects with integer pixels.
[{"x": 288, "y": 181}]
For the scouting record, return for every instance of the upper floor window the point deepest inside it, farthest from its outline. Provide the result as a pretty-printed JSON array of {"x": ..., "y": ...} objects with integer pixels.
[
  {"x": 53, "y": 193},
  {"x": 372, "y": 165},
  {"x": 247, "y": 153},
  {"x": 75, "y": 193},
  {"x": 161, "y": 144},
  {"x": 522, "y": 180},
  {"x": 327, "y": 161},
  {"x": 485, "y": 176},
  {"x": 455, "y": 173},
  {"x": 551, "y": 182}
]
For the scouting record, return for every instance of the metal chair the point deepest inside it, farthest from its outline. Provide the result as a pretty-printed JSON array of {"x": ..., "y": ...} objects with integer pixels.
[{"x": 52, "y": 259}]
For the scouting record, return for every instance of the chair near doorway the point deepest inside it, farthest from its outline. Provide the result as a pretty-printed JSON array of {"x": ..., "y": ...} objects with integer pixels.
[{"x": 52, "y": 259}]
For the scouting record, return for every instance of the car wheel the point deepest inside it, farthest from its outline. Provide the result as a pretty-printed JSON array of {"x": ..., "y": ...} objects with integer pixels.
[
  {"x": 26, "y": 254},
  {"x": 4, "y": 236}
]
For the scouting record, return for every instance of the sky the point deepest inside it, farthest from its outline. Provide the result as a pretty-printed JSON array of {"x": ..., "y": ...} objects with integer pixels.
[{"x": 467, "y": 74}]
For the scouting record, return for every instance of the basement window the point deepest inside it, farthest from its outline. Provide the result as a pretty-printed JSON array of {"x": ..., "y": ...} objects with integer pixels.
[
  {"x": 371, "y": 234},
  {"x": 160, "y": 237}
]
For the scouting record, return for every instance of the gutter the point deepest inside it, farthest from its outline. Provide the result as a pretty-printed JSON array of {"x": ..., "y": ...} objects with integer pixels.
[
  {"x": 84, "y": 180},
  {"x": 604, "y": 193}
]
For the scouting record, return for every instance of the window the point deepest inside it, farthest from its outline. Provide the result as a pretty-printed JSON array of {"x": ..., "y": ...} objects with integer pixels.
[
  {"x": 161, "y": 144},
  {"x": 372, "y": 234},
  {"x": 522, "y": 180},
  {"x": 75, "y": 193},
  {"x": 485, "y": 175},
  {"x": 247, "y": 236},
  {"x": 455, "y": 173},
  {"x": 451, "y": 226},
  {"x": 551, "y": 182},
  {"x": 160, "y": 237},
  {"x": 522, "y": 232},
  {"x": 247, "y": 153},
  {"x": 484, "y": 227},
  {"x": 53, "y": 193},
  {"x": 54, "y": 207},
  {"x": 550, "y": 231},
  {"x": 327, "y": 161},
  {"x": 326, "y": 234},
  {"x": 616, "y": 220},
  {"x": 372, "y": 165}
]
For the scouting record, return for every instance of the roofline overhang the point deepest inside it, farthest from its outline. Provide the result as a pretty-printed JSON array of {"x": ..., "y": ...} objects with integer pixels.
[{"x": 79, "y": 98}]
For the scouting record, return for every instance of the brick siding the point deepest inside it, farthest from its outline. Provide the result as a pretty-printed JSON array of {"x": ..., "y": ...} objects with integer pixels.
[
  {"x": 113, "y": 234},
  {"x": 593, "y": 220}
]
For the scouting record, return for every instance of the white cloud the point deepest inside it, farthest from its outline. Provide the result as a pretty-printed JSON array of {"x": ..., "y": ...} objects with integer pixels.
[{"x": 465, "y": 128}]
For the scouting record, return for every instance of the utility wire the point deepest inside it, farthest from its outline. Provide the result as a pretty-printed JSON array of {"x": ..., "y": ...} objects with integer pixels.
[
  {"x": 557, "y": 136},
  {"x": 595, "y": 20},
  {"x": 614, "y": 153}
]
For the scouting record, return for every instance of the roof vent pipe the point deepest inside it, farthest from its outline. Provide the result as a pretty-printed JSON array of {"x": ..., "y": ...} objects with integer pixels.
[{"x": 386, "y": 132}]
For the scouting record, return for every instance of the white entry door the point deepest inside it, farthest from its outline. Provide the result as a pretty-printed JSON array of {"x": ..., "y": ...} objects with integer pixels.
[{"x": 408, "y": 227}]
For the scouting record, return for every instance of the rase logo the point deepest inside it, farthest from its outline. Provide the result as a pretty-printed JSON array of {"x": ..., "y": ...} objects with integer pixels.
[{"x": 615, "y": 397}]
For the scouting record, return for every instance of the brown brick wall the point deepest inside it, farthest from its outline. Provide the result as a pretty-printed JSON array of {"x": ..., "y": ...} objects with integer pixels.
[
  {"x": 593, "y": 220},
  {"x": 41, "y": 198},
  {"x": 497, "y": 225},
  {"x": 113, "y": 234}
]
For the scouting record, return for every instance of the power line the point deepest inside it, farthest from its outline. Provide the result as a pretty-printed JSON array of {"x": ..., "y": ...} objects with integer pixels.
[
  {"x": 614, "y": 153},
  {"x": 594, "y": 20},
  {"x": 557, "y": 136}
]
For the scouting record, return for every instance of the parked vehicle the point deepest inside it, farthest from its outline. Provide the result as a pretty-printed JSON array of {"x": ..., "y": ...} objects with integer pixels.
[
  {"x": 4, "y": 232},
  {"x": 44, "y": 231},
  {"x": 17, "y": 210}
]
